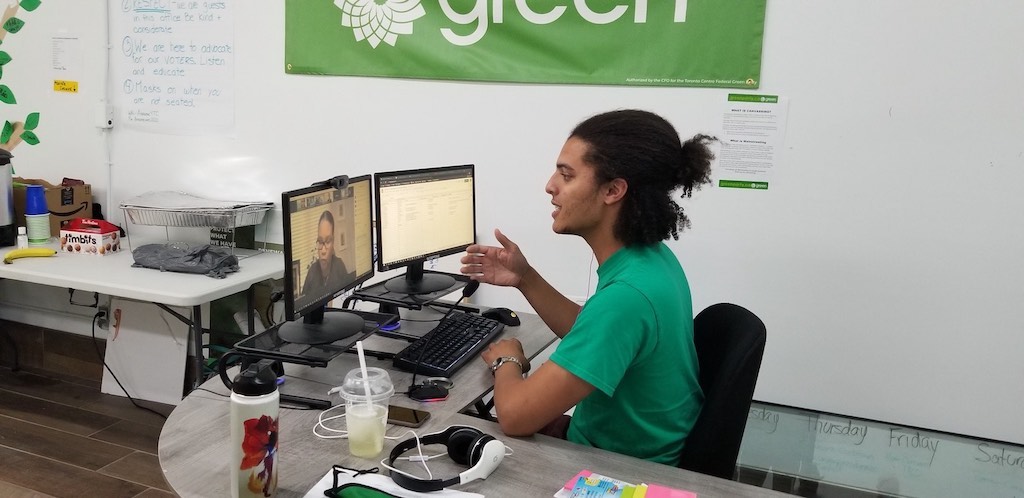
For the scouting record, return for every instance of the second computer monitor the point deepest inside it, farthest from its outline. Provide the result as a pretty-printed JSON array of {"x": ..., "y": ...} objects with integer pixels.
[{"x": 423, "y": 214}]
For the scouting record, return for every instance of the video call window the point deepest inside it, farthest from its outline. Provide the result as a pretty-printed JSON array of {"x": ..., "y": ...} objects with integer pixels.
[{"x": 327, "y": 254}]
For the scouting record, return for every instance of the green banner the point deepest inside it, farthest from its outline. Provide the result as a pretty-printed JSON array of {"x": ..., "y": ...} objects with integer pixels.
[
  {"x": 698, "y": 43},
  {"x": 743, "y": 184}
]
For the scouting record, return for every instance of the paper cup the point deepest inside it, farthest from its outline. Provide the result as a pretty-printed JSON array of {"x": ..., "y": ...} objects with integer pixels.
[
  {"x": 38, "y": 227},
  {"x": 35, "y": 200}
]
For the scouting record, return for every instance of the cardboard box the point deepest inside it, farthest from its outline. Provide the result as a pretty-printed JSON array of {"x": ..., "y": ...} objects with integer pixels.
[
  {"x": 89, "y": 236},
  {"x": 65, "y": 203}
]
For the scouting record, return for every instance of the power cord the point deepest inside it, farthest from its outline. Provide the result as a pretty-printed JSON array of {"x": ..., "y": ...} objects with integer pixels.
[
  {"x": 95, "y": 343},
  {"x": 274, "y": 298}
]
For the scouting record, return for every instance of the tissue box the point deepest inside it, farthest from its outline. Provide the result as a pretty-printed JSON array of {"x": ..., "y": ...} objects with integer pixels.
[
  {"x": 65, "y": 202},
  {"x": 89, "y": 236}
]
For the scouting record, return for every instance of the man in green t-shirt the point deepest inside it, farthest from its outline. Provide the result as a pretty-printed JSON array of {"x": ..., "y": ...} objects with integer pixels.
[{"x": 626, "y": 359}]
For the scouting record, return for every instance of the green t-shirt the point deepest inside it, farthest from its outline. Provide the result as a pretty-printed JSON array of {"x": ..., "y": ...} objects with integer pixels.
[{"x": 633, "y": 341}]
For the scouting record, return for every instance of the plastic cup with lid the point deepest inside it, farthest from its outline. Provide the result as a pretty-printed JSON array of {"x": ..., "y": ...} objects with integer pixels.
[{"x": 366, "y": 415}]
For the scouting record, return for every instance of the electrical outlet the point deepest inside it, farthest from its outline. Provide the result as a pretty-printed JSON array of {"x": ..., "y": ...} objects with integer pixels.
[
  {"x": 104, "y": 115},
  {"x": 103, "y": 310}
]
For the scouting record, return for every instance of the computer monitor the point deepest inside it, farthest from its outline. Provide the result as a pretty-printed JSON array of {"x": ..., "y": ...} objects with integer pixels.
[
  {"x": 423, "y": 214},
  {"x": 328, "y": 250}
]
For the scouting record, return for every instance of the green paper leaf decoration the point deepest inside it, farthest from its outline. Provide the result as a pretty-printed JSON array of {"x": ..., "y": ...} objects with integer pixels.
[
  {"x": 4, "y": 58},
  {"x": 32, "y": 121},
  {"x": 29, "y": 137},
  {"x": 6, "y": 95},
  {"x": 1, "y": 72},
  {"x": 13, "y": 25},
  {"x": 8, "y": 131},
  {"x": 30, "y": 5}
]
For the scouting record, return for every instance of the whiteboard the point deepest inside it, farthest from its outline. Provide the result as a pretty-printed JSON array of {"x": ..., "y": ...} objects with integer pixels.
[
  {"x": 890, "y": 459},
  {"x": 884, "y": 257}
]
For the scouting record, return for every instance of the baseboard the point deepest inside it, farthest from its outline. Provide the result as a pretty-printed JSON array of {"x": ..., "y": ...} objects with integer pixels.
[{"x": 41, "y": 349}]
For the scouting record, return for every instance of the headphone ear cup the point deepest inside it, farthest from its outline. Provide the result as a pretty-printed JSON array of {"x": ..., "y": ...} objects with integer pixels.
[
  {"x": 460, "y": 443},
  {"x": 476, "y": 448}
]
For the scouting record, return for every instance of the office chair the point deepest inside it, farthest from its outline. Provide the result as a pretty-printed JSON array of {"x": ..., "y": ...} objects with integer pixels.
[{"x": 730, "y": 341}]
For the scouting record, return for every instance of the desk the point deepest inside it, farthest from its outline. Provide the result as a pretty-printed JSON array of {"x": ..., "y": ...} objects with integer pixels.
[
  {"x": 113, "y": 275},
  {"x": 194, "y": 443}
]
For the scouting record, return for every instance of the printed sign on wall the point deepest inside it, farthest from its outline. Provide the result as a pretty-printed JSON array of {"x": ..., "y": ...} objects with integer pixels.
[{"x": 699, "y": 43}]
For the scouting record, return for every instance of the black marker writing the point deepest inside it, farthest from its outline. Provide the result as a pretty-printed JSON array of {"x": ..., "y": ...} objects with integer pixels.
[
  {"x": 999, "y": 456},
  {"x": 838, "y": 428},
  {"x": 900, "y": 439}
]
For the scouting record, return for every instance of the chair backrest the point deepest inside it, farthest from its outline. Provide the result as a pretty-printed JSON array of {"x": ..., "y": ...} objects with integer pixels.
[{"x": 729, "y": 341}]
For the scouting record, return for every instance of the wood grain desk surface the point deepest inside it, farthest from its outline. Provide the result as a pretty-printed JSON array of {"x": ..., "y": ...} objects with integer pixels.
[{"x": 194, "y": 443}]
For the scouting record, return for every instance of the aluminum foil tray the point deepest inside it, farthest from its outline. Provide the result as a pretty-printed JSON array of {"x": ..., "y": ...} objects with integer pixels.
[{"x": 177, "y": 209}]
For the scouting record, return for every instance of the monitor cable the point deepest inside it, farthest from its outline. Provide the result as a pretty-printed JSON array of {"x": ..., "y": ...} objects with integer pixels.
[{"x": 430, "y": 389}]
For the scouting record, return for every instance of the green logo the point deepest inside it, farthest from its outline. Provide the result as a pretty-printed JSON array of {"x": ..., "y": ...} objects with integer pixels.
[
  {"x": 379, "y": 21},
  {"x": 383, "y": 20}
]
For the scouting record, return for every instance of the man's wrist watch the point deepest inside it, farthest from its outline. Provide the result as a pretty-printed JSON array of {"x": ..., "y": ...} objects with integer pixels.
[{"x": 496, "y": 364}]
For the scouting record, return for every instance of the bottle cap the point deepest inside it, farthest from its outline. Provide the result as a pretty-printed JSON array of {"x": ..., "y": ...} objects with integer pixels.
[{"x": 257, "y": 380}]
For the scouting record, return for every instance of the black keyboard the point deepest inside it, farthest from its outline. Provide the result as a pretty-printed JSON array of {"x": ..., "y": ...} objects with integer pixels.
[{"x": 451, "y": 344}]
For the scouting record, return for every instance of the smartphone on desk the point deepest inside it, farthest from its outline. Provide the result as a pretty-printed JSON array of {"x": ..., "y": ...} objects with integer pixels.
[{"x": 407, "y": 417}]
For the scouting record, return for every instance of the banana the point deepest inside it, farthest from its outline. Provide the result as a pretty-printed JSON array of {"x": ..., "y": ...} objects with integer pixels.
[{"x": 31, "y": 252}]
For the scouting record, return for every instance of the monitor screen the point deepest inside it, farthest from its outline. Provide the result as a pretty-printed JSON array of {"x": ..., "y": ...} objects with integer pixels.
[
  {"x": 328, "y": 250},
  {"x": 423, "y": 214}
]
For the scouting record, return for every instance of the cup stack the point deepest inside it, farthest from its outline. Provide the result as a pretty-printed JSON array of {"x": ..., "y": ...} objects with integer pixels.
[{"x": 37, "y": 216}]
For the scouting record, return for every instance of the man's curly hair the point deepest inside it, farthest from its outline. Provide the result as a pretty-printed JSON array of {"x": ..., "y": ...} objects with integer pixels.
[{"x": 644, "y": 149}]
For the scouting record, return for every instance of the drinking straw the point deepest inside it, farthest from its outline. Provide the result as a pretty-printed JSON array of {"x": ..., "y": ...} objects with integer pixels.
[{"x": 362, "y": 368}]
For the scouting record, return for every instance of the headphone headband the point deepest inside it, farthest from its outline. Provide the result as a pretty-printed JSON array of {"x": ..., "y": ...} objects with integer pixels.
[{"x": 465, "y": 445}]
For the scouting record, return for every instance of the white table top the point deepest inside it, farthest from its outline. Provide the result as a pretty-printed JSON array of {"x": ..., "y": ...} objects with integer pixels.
[{"x": 113, "y": 275}]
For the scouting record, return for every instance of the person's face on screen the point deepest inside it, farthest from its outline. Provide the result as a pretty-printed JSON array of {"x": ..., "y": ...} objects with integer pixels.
[
  {"x": 325, "y": 241},
  {"x": 574, "y": 192}
]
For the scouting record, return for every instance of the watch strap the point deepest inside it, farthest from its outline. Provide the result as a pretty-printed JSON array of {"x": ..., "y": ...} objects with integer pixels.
[{"x": 506, "y": 359}]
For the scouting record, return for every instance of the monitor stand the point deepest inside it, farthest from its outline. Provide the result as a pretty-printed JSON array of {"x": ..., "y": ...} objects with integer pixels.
[
  {"x": 416, "y": 282},
  {"x": 318, "y": 327}
]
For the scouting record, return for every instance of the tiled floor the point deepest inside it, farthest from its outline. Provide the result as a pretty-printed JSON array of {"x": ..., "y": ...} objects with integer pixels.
[{"x": 62, "y": 437}]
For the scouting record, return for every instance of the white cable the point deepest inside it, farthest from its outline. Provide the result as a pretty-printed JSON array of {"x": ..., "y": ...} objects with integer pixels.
[
  {"x": 343, "y": 433},
  {"x": 320, "y": 423},
  {"x": 422, "y": 459}
]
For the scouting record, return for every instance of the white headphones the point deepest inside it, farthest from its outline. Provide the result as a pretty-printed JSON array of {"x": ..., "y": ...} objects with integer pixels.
[{"x": 466, "y": 445}]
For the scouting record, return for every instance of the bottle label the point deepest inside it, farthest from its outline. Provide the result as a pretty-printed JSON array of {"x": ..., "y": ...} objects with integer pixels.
[{"x": 258, "y": 470}]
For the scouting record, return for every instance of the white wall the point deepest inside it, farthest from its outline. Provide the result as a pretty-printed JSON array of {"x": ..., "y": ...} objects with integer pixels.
[
  {"x": 884, "y": 257},
  {"x": 71, "y": 144}
]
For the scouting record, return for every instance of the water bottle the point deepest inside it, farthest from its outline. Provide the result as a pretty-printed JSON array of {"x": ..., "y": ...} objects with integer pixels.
[{"x": 255, "y": 404}]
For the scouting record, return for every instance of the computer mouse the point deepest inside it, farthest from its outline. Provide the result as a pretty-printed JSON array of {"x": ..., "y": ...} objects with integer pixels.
[{"x": 503, "y": 315}]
